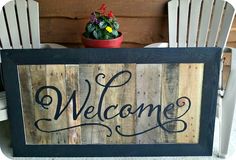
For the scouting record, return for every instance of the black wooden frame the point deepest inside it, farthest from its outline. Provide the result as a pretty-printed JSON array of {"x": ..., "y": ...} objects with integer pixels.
[{"x": 209, "y": 56}]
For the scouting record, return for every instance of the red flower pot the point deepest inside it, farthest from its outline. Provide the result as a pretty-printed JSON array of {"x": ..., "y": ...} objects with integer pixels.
[{"x": 94, "y": 43}]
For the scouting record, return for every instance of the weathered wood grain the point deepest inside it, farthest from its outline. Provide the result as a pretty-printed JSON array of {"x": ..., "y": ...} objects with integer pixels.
[
  {"x": 148, "y": 86},
  {"x": 81, "y": 8},
  {"x": 72, "y": 78},
  {"x": 62, "y": 30},
  {"x": 127, "y": 95},
  {"x": 157, "y": 84},
  {"x": 234, "y": 23},
  {"x": 113, "y": 97},
  {"x": 61, "y": 21},
  {"x": 190, "y": 85},
  {"x": 170, "y": 89},
  {"x": 90, "y": 134},
  {"x": 27, "y": 103},
  {"x": 98, "y": 133},
  {"x": 231, "y": 44},
  {"x": 37, "y": 80},
  {"x": 232, "y": 35},
  {"x": 55, "y": 76},
  {"x": 124, "y": 45}
]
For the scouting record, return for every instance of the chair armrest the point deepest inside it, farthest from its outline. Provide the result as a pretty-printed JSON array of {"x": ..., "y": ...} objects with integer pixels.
[
  {"x": 3, "y": 104},
  {"x": 158, "y": 45},
  {"x": 51, "y": 45},
  {"x": 228, "y": 107},
  {"x": 3, "y": 115},
  {"x": 2, "y": 100}
]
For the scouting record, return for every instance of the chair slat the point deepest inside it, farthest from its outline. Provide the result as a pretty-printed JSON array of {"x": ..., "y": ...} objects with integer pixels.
[
  {"x": 173, "y": 21},
  {"x": 205, "y": 22},
  {"x": 5, "y": 41},
  {"x": 21, "y": 6},
  {"x": 194, "y": 22},
  {"x": 216, "y": 22},
  {"x": 183, "y": 22},
  {"x": 34, "y": 23},
  {"x": 226, "y": 25},
  {"x": 12, "y": 24}
]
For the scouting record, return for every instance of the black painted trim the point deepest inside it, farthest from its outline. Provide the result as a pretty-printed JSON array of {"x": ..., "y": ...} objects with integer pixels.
[{"x": 209, "y": 56}]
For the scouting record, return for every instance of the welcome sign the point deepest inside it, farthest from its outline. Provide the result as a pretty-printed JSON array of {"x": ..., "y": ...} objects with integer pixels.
[{"x": 112, "y": 102}]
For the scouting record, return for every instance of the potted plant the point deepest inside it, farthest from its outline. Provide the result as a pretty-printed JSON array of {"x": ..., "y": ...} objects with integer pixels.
[{"x": 102, "y": 30}]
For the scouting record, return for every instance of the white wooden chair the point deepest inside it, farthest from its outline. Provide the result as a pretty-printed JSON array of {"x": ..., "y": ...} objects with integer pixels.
[
  {"x": 206, "y": 23},
  {"x": 19, "y": 29}
]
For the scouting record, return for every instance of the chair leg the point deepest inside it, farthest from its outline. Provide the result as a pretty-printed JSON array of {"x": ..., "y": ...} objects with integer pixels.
[{"x": 226, "y": 113}]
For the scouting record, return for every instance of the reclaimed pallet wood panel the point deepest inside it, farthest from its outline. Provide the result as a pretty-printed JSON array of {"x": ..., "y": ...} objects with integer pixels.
[
  {"x": 36, "y": 81},
  {"x": 190, "y": 79},
  {"x": 55, "y": 76},
  {"x": 111, "y": 103},
  {"x": 72, "y": 86},
  {"x": 153, "y": 96},
  {"x": 27, "y": 102},
  {"x": 170, "y": 88},
  {"x": 94, "y": 134}
]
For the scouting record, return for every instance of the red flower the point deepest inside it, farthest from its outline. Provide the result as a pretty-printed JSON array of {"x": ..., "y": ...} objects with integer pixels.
[
  {"x": 103, "y": 8},
  {"x": 110, "y": 14}
]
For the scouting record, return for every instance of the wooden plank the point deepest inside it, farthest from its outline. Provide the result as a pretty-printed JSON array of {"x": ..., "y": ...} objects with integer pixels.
[
  {"x": 72, "y": 79},
  {"x": 116, "y": 96},
  {"x": 91, "y": 134},
  {"x": 234, "y": 23},
  {"x": 227, "y": 56},
  {"x": 205, "y": 22},
  {"x": 98, "y": 133},
  {"x": 190, "y": 85},
  {"x": 4, "y": 37},
  {"x": 127, "y": 95},
  {"x": 216, "y": 22},
  {"x": 194, "y": 22},
  {"x": 231, "y": 44},
  {"x": 122, "y": 8},
  {"x": 55, "y": 76},
  {"x": 173, "y": 21},
  {"x": 61, "y": 30},
  {"x": 124, "y": 45},
  {"x": 12, "y": 24},
  {"x": 148, "y": 86},
  {"x": 22, "y": 14},
  {"x": 37, "y": 75},
  {"x": 226, "y": 25},
  {"x": 183, "y": 22},
  {"x": 27, "y": 103},
  {"x": 169, "y": 94},
  {"x": 226, "y": 73},
  {"x": 34, "y": 23}
]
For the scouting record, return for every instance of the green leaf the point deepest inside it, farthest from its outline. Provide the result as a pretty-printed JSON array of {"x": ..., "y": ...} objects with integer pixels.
[
  {"x": 90, "y": 27},
  {"x": 116, "y": 25},
  {"x": 106, "y": 20},
  {"x": 99, "y": 34},
  {"x": 95, "y": 34},
  {"x": 106, "y": 36},
  {"x": 97, "y": 14},
  {"x": 115, "y": 33},
  {"x": 102, "y": 25}
]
